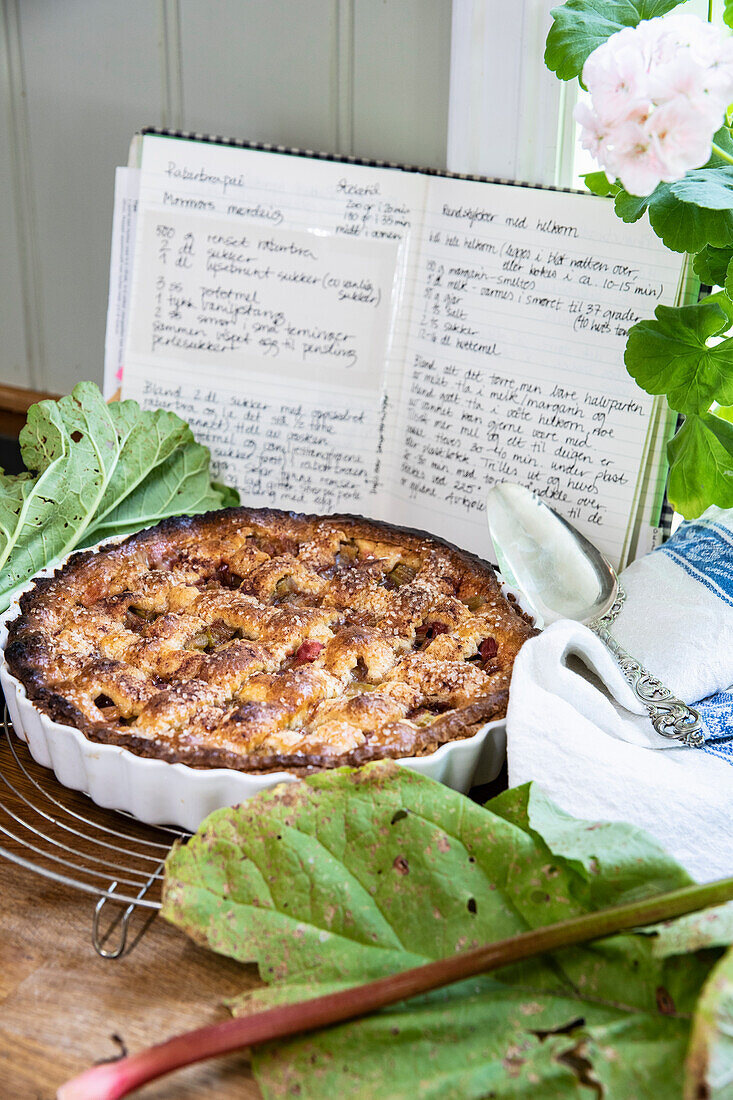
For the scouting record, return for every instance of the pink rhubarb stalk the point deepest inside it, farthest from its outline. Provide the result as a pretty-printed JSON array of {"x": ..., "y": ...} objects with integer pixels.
[{"x": 116, "y": 1079}]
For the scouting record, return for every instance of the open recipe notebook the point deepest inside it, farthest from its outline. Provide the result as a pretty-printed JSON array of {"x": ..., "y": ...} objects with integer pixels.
[{"x": 389, "y": 341}]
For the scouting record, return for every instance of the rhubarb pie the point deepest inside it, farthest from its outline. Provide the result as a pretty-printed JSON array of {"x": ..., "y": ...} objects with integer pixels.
[{"x": 262, "y": 640}]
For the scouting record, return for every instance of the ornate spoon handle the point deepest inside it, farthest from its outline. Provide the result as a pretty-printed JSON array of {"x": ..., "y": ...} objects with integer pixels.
[{"x": 669, "y": 715}]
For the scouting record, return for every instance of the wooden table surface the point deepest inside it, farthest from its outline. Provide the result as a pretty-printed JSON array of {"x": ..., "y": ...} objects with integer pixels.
[{"x": 62, "y": 1007}]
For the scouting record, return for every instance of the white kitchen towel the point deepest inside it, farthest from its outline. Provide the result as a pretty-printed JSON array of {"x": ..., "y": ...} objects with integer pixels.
[{"x": 575, "y": 726}]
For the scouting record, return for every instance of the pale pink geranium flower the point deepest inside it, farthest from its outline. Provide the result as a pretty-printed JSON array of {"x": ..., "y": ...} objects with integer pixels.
[
  {"x": 682, "y": 80},
  {"x": 658, "y": 92},
  {"x": 592, "y": 131},
  {"x": 632, "y": 157},
  {"x": 677, "y": 137},
  {"x": 619, "y": 81}
]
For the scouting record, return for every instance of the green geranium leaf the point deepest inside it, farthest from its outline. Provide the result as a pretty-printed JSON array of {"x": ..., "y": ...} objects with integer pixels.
[
  {"x": 724, "y": 140},
  {"x": 670, "y": 355},
  {"x": 708, "y": 187},
  {"x": 709, "y": 1064},
  {"x": 701, "y": 465},
  {"x": 722, "y": 429},
  {"x": 580, "y": 26},
  {"x": 720, "y": 298},
  {"x": 692, "y": 213},
  {"x": 682, "y": 225},
  {"x": 724, "y": 412},
  {"x": 711, "y": 265},
  {"x": 354, "y": 874},
  {"x": 631, "y": 207},
  {"x": 728, "y": 12},
  {"x": 600, "y": 184}
]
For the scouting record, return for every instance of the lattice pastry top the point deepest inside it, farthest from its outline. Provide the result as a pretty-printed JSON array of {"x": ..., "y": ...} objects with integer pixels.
[{"x": 260, "y": 640}]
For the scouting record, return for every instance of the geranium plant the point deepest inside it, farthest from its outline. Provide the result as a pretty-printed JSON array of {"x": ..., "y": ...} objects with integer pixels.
[{"x": 657, "y": 119}]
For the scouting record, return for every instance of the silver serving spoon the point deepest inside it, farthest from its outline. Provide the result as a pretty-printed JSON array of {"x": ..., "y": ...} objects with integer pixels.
[{"x": 565, "y": 577}]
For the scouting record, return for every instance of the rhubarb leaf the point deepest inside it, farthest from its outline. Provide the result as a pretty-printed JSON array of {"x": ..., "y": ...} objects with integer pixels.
[
  {"x": 178, "y": 485},
  {"x": 95, "y": 470},
  {"x": 580, "y": 26},
  {"x": 671, "y": 355},
  {"x": 706, "y": 928},
  {"x": 144, "y": 441},
  {"x": 354, "y": 874},
  {"x": 709, "y": 1066}
]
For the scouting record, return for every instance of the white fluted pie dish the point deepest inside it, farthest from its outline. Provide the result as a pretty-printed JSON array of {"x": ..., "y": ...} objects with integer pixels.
[{"x": 160, "y": 793}]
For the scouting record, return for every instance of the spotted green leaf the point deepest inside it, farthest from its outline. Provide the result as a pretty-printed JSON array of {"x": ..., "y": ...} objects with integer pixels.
[
  {"x": 354, "y": 874},
  {"x": 709, "y": 1067}
]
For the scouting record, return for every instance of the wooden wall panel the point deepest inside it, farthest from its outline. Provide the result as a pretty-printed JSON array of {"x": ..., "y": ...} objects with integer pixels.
[
  {"x": 79, "y": 77},
  {"x": 92, "y": 75},
  {"x": 260, "y": 71},
  {"x": 401, "y": 80},
  {"x": 14, "y": 358}
]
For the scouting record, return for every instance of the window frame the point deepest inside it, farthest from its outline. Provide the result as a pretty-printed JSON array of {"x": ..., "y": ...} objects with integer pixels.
[{"x": 508, "y": 116}]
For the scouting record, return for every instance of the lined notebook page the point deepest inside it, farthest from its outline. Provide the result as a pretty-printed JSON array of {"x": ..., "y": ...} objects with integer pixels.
[
  {"x": 514, "y": 367},
  {"x": 348, "y": 338},
  {"x": 267, "y": 310}
]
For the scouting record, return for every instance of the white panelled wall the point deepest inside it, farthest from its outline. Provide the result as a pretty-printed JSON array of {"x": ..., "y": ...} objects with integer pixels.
[
  {"x": 79, "y": 77},
  {"x": 401, "y": 80}
]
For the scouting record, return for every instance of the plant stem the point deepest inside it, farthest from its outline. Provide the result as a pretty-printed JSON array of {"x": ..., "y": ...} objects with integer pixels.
[
  {"x": 116, "y": 1079},
  {"x": 722, "y": 154},
  {"x": 710, "y": 11}
]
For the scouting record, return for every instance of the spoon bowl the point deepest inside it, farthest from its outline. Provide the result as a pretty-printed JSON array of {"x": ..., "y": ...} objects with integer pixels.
[{"x": 564, "y": 576}]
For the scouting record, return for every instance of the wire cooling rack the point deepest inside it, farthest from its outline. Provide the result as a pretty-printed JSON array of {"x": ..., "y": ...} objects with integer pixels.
[{"x": 62, "y": 835}]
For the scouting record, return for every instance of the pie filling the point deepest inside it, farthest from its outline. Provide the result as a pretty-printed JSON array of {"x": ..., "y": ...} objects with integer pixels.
[{"x": 258, "y": 639}]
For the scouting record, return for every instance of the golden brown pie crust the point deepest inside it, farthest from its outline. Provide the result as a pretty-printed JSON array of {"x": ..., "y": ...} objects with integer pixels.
[{"x": 261, "y": 640}]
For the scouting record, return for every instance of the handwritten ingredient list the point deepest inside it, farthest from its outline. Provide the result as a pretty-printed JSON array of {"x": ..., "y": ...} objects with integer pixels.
[{"x": 348, "y": 337}]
